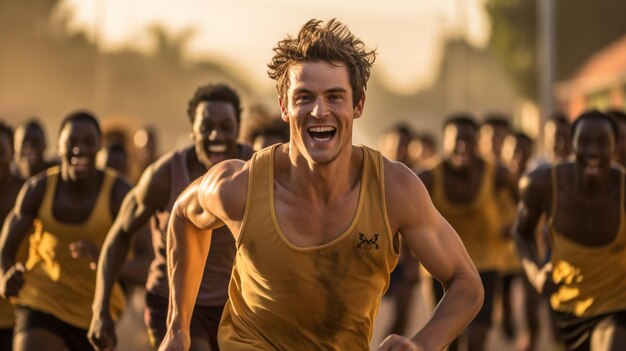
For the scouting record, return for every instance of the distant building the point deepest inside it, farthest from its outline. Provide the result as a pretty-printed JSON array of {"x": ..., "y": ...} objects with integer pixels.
[{"x": 599, "y": 83}]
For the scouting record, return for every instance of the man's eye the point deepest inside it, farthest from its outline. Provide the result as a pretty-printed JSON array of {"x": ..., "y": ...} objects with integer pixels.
[
  {"x": 336, "y": 97},
  {"x": 303, "y": 98}
]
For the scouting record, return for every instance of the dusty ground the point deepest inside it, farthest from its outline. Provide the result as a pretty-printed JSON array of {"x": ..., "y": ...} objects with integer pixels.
[{"x": 132, "y": 336}]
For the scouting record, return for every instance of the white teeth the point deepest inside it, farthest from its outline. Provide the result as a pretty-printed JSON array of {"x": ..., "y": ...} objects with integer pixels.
[
  {"x": 321, "y": 139},
  {"x": 321, "y": 129},
  {"x": 217, "y": 148},
  {"x": 593, "y": 163},
  {"x": 79, "y": 160}
]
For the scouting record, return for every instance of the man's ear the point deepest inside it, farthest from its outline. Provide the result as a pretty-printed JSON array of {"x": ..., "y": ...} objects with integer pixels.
[
  {"x": 358, "y": 108},
  {"x": 283, "y": 110}
]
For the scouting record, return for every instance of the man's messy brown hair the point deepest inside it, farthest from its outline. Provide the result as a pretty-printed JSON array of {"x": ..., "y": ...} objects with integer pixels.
[{"x": 329, "y": 42}]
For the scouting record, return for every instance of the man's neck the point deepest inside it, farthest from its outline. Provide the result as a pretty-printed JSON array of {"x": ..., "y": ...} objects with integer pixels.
[
  {"x": 325, "y": 182},
  {"x": 593, "y": 187}
]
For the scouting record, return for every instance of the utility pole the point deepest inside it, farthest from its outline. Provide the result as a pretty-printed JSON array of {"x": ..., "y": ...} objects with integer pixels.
[
  {"x": 100, "y": 77},
  {"x": 546, "y": 58}
]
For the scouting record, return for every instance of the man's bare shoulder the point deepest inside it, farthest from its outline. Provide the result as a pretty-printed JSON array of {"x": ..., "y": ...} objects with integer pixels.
[
  {"x": 153, "y": 187},
  {"x": 159, "y": 168},
  {"x": 245, "y": 151},
  {"x": 536, "y": 186},
  {"x": 539, "y": 178},
  {"x": 403, "y": 188},
  {"x": 224, "y": 187},
  {"x": 31, "y": 194}
]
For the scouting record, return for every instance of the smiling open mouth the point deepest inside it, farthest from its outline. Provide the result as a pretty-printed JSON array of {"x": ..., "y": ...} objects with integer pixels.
[
  {"x": 218, "y": 148},
  {"x": 592, "y": 166},
  {"x": 79, "y": 163},
  {"x": 323, "y": 133}
]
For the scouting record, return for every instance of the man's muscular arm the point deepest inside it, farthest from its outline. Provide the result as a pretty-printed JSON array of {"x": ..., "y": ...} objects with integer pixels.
[
  {"x": 535, "y": 198},
  {"x": 216, "y": 199},
  {"x": 15, "y": 229},
  {"x": 440, "y": 250},
  {"x": 150, "y": 194}
]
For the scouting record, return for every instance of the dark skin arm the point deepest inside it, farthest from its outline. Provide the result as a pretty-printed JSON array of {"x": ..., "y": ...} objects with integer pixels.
[
  {"x": 135, "y": 270},
  {"x": 150, "y": 194},
  {"x": 535, "y": 200},
  {"x": 16, "y": 227}
]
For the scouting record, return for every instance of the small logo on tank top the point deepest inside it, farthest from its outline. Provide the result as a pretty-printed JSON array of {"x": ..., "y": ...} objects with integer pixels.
[{"x": 367, "y": 244}]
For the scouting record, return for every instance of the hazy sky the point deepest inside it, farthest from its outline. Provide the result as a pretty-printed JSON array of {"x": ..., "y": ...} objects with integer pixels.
[{"x": 407, "y": 33}]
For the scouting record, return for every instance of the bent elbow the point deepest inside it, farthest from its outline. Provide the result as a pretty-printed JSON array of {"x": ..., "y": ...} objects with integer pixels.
[{"x": 477, "y": 293}]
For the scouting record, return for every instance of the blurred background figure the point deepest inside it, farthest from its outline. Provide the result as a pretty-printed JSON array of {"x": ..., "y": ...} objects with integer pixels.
[
  {"x": 422, "y": 151},
  {"x": 493, "y": 130},
  {"x": 10, "y": 184},
  {"x": 145, "y": 144},
  {"x": 72, "y": 207},
  {"x": 273, "y": 132},
  {"x": 30, "y": 147},
  {"x": 261, "y": 128},
  {"x": 557, "y": 142},
  {"x": 584, "y": 201},
  {"x": 113, "y": 156},
  {"x": 620, "y": 148},
  {"x": 394, "y": 144},
  {"x": 517, "y": 149},
  {"x": 114, "y": 151},
  {"x": 516, "y": 152},
  {"x": 464, "y": 188}
]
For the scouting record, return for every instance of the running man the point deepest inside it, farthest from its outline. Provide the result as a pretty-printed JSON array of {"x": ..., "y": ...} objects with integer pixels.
[
  {"x": 464, "y": 188},
  {"x": 585, "y": 204},
  {"x": 30, "y": 146},
  {"x": 71, "y": 208},
  {"x": 317, "y": 221},
  {"x": 214, "y": 114},
  {"x": 10, "y": 184}
]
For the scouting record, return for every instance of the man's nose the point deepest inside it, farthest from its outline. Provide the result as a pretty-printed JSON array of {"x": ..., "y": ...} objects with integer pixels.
[
  {"x": 460, "y": 146},
  {"x": 319, "y": 109}
]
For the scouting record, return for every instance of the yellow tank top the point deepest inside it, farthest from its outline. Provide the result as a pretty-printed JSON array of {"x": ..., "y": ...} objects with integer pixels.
[
  {"x": 326, "y": 297},
  {"x": 7, "y": 320},
  {"x": 56, "y": 283},
  {"x": 476, "y": 222},
  {"x": 508, "y": 252},
  {"x": 592, "y": 278}
]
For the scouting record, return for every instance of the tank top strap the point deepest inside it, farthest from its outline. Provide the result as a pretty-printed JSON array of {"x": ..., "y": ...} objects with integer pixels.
[
  {"x": 374, "y": 183},
  {"x": 438, "y": 183},
  {"x": 52, "y": 176},
  {"x": 486, "y": 187},
  {"x": 260, "y": 187},
  {"x": 103, "y": 203},
  {"x": 179, "y": 175},
  {"x": 553, "y": 185},
  {"x": 622, "y": 207}
]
